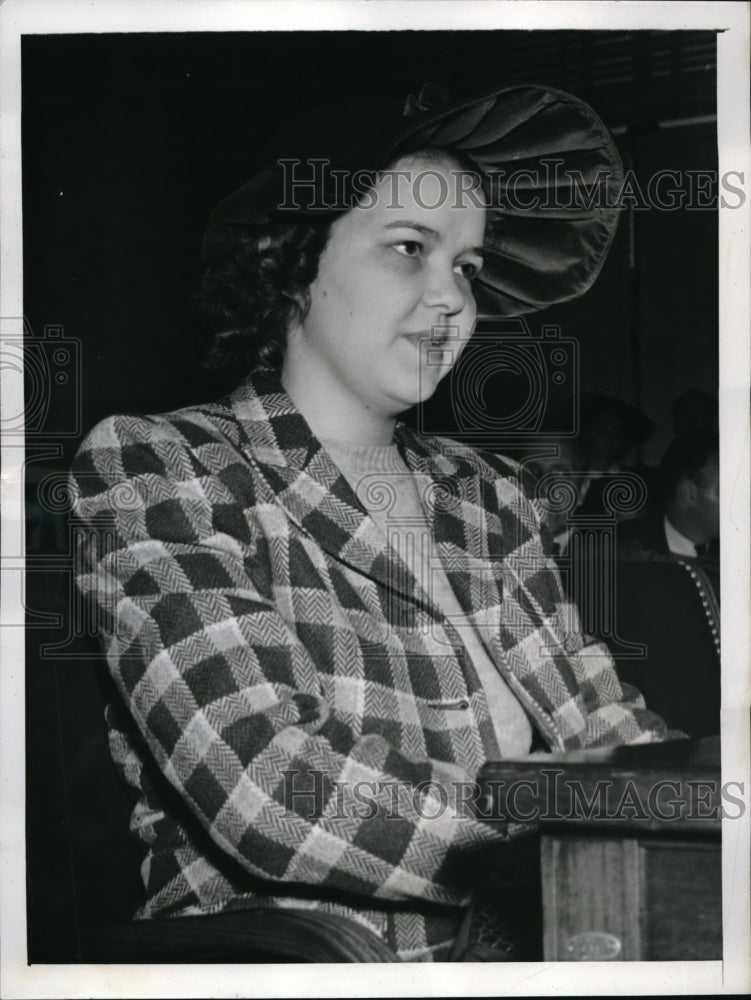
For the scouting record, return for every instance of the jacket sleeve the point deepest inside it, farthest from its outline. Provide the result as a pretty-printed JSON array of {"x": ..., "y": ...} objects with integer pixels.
[
  {"x": 615, "y": 713},
  {"x": 592, "y": 707},
  {"x": 229, "y": 700}
]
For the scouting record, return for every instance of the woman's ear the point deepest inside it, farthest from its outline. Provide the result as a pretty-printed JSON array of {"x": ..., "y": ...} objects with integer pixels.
[{"x": 297, "y": 308}]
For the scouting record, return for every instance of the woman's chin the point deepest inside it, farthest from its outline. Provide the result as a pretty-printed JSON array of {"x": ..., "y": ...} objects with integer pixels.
[{"x": 418, "y": 392}]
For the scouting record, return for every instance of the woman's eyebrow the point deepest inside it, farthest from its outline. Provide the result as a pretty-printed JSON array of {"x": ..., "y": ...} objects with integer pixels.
[
  {"x": 409, "y": 224},
  {"x": 426, "y": 231}
]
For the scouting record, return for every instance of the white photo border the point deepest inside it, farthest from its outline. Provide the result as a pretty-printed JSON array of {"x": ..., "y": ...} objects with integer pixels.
[{"x": 732, "y": 975}]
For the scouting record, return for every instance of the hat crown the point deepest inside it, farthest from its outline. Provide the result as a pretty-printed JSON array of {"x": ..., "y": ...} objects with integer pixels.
[
  {"x": 431, "y": 94},
  {"x": 553, "y": 176}
]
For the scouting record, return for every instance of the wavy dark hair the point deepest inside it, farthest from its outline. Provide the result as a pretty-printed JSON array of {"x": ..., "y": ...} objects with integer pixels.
[{"x": 261, "y": 283}]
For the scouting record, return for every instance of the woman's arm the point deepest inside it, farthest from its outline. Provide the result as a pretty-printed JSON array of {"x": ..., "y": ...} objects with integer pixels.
[
  {"x": 229, "y": 700},
  {"x": 593, "y": 707}
]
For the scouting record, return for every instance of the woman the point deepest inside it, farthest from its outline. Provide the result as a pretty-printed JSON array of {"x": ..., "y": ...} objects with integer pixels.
[{"x": 320, "y": 623}]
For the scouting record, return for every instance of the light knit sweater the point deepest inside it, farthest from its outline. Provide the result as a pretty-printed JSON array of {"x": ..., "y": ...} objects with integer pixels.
[{"x": 404, "y": 524}]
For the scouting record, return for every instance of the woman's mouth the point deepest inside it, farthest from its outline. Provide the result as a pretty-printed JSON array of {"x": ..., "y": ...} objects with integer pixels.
[{"x": 436, "y": 336}]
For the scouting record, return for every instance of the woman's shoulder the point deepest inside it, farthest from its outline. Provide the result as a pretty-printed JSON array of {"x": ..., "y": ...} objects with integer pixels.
[
  {"x": 175, "y": 445},
  {"x": 190, "y": 427}
]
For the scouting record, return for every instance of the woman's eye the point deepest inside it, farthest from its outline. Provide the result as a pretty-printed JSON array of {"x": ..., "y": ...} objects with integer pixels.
[
  {"x": 410, "y": 248},
  {"x": 469, "y": 269}
]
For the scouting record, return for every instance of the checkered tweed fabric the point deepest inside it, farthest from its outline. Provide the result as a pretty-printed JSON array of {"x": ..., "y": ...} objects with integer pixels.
[{"x": 298, "y": 720}]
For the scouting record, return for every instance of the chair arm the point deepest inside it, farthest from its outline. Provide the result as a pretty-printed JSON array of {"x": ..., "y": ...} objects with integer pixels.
[{"x": 260, "y": 935}]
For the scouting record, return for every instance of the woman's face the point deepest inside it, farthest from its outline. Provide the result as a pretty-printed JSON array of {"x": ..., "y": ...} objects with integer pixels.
[{"x": 392, "y": 305}]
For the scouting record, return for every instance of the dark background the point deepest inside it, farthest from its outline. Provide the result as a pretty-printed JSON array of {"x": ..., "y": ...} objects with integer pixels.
[{"x": 128, "y": 142}]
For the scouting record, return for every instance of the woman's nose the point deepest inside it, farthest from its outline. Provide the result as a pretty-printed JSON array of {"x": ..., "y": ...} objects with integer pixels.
[{"x": 446, "y": 291}]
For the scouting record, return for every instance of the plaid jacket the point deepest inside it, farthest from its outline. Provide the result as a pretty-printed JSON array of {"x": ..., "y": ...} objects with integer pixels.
[{"x": 281, "y": 667}]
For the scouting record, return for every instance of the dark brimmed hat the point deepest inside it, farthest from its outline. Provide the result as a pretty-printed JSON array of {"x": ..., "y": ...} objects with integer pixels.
[{"x": 550, "y": 166}]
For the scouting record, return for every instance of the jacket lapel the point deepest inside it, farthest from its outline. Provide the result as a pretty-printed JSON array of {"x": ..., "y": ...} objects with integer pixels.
[
  {"x": 481, "y": 534},
  {"x": 474, "y": 527},
  {"x": 307, "y": 483},
  {"x": 457, "y": 496}
]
